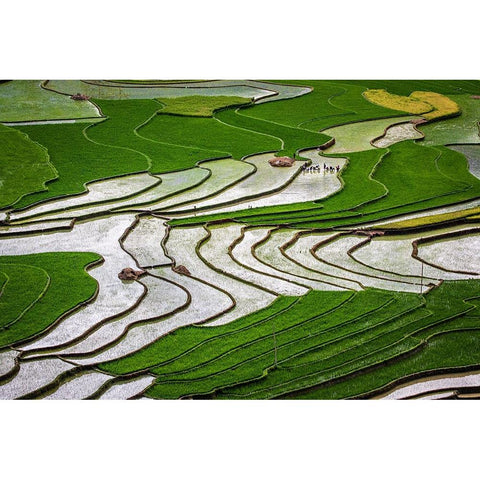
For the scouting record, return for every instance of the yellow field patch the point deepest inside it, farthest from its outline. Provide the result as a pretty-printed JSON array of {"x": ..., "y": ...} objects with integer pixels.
[
  {"x": 471, "y": 213},
  {"x": 442, "y": 105},
  {"x": 397, "y": 102},
  {"x": 430, "y": 104}
]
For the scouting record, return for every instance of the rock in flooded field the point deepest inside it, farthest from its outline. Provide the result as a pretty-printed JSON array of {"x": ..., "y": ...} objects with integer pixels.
[
  {"x": 182, "y": 269},
  {"x": 130, "y": 274},
  {"x": 281, "y": 162}
]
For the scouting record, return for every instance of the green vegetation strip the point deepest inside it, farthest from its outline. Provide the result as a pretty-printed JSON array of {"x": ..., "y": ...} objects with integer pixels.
[
  {"x": 197, "y": 105},
  {"x": 313, "y": 373},
  {"x": 428, "y": 220},
  {"x": 296, "y": 343},
  {"x": 453, "y": 346},
  {"x": 187, "y": 339},
  {"x": 208, "y": 134},
  {"x": 24, "y": 166},
  {"x": 328, "y": 105},
  {"x": 250, "y": 360},
  {"x": 51, "y": 284},
  {"x": 292, "y": 138},
  {"x": 401, "y": 338},
  {"x": 25, "y": 285},
  {"x": 125, "y": 128},
  {"x": 78, "y": 160}
]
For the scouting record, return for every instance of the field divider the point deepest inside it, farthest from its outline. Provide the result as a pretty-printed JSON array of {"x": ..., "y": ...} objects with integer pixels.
[
  {"x": 31, "y": 305},
  {"x": 268, "y": 237},
  {"x": 63, "y": 316},
  {"x": 12, "y": 373},
  {"x": 236, "y": 109},
  {"x": 372, "y": 142},
  {"x": 367, "y": 241},
  {"x": 236, "y": 242},
  {"x": 258, "y": 259},
  {"x": 240, "y": 200},
  {"x": 86, "y": 206},
  {"x": 215, "y": 338},
  {"x": 269, "y": 351},
  {"x": 433, "y": 239},
  {"x": 421, "y": 344},
  {"x": 205, "y": 282},
  {"x": 318, "y": 245},
  {"x": 283, "y": 249},
  {"x": 221, "y": 271},
  {"x": 168, "y": 210},
  {"x": 84, "y": 132},
  {"x": 116, "y": 381}
]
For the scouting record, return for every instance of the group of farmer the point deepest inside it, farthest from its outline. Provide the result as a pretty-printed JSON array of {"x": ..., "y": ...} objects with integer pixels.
[{"x": 317, "y": 168}]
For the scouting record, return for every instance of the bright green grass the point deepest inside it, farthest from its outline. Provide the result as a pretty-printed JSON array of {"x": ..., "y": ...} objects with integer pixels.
[
  {"x": 413, "y": 173},
  {"x": 25, "y": 285},
  {"x": 405, "y": 333},
  {"x": 178, "y": 343},
  {"x": 460, "y": 129},
  {"x": 453, "y": 344},
  {"x": 24, "y": 166},
  {"x": 291, "y": 138},
  {"x": 197, "y": 105},
  {"x": 199, "y": 360},
  {"x": 329, "y": 104},
  {"x": 306, "y": 326},
  {"x": 208, "y": 134},
  {"x": 122, "y": 129},
  {"x": 78, "y": 160},
  {"x": 23, "y": 100},
  {"x": 294, "y": 112},
  {"x": 69, "y": 285},
  {"x": 253, "y": 357}
]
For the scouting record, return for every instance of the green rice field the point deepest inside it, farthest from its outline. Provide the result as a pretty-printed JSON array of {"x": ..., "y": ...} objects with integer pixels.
[{"x": 239, "y": 239}]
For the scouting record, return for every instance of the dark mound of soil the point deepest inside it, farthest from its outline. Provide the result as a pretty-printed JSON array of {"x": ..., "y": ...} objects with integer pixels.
[
  {"x": 130, "y": 274},
  {"x": 281, "y": 162},
  {"x": 79, "y": 96},
  {"x": 182, "y": 269}
]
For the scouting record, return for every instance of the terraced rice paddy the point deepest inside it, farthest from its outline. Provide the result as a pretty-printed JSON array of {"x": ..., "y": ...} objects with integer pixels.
[
  {"x": 357, "y": 137},
  {"x": 397, "y": 133},
  {"x": 352, "y": 273},
  {"x": 29, "y": 100}
]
